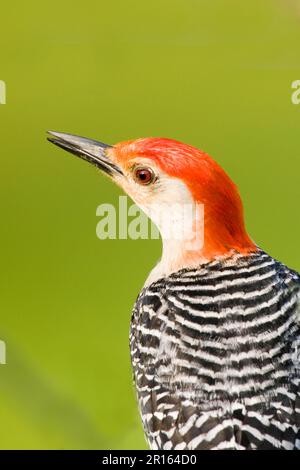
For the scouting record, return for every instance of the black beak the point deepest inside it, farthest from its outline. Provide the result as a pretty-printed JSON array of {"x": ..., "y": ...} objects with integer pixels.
[{"x": 88, "y": 149}]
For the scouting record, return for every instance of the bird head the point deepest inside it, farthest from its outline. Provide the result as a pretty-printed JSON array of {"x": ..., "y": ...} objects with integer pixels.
[{"x": 161, "y": 174}]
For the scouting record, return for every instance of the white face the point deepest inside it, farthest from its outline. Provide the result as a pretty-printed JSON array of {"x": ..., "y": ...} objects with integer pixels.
[{"x": 166, "y": 200}]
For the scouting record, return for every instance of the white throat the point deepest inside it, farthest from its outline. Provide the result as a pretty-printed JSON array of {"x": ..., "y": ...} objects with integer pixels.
[{"x": 181, "y": 225}]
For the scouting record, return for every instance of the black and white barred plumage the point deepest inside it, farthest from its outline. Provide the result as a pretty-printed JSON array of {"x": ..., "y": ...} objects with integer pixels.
[{"x": 215, "y": 354}]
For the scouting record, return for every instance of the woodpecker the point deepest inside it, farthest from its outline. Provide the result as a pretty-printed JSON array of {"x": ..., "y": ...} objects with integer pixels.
[{"x": 215, "y": 331}]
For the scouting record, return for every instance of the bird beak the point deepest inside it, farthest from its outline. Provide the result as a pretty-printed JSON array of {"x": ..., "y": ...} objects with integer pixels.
[{"x": 87, "y": 149}]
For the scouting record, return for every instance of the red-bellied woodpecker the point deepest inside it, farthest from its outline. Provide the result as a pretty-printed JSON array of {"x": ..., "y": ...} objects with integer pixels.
[{"x": 215, "y": 332}]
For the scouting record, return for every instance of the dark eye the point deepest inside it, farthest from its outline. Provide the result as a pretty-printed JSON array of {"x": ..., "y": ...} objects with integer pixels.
[{"x": 143, "y": 175}]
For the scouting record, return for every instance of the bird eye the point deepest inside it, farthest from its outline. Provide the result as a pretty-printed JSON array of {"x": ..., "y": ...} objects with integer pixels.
[{"x": 143, "y": 175}]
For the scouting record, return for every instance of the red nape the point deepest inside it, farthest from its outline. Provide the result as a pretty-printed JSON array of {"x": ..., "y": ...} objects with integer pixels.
[{"x": 224, "y": 227}]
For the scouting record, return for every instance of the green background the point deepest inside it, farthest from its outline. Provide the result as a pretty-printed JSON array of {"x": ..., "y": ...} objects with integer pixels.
[{"x": 215, "y": 74}]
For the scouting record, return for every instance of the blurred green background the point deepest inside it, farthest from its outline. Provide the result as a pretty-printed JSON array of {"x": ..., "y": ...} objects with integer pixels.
[{"x": 215, "y": 74}]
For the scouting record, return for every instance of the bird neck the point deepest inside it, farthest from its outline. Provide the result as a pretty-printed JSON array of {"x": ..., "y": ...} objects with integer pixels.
[{"x": 202, "y": 236}]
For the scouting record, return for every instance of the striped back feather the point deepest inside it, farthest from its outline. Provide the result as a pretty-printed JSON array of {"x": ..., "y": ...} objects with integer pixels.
[{"x": 215, "y": 354}]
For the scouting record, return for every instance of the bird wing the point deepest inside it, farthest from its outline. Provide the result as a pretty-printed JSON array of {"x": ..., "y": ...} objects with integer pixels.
[{"x": 184, "y": 406}]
